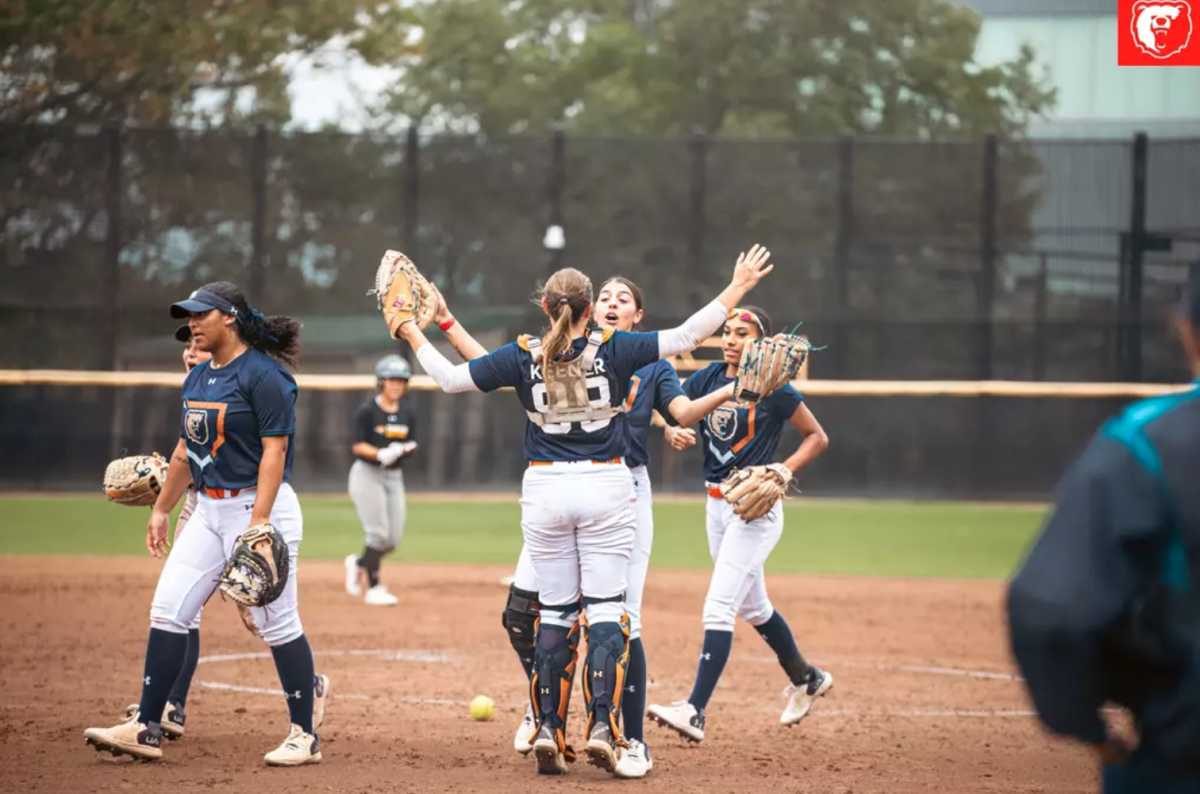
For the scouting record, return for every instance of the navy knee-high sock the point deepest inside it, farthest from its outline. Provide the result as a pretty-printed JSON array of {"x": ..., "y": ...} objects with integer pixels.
[
  {"x": 165, "y": 652},
  {"x": 183, "y": 681},
  {"x": 633, "y": 704},
  {"x": 294, "y": 662},
  {"x": 717, "y": 645},
  {"x": 779, "y": 636}
]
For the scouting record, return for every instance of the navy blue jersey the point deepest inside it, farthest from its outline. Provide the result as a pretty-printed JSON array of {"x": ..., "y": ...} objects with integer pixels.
[
  {"x": 226, "y": 413},
  {"x": 738, "y": 437},
  {"x": 620, "y": 355},
  {"x": 651, "y": 389}
]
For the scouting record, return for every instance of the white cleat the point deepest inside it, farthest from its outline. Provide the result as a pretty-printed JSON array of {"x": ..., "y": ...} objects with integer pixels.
[
  {"x": 378, "y": 596},
  {"x": 353, "y": 574},
  {"x": 681, "y": 717},
  {"x": 800, "y": 698},
  {"x": 634, "y": 762},
  {"x": 320, "y": 693},
  {"x": 130, "y": 738},
  {"x": 550, "y": 759},
  {"x": 172, "y": 721},
  {"x": 523, "y": 741},
  {"x": 603, "y": 749},
  {"x": 298, "y": 749}
]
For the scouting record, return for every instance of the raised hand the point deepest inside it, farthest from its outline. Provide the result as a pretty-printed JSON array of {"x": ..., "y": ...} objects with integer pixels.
[
  {"x": 443, "y": 311},
  {"x": 751, "y": 267}
]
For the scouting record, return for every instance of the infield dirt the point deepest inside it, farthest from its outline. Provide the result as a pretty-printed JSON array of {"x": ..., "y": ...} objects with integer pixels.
[{"x": 924, "y": 698}]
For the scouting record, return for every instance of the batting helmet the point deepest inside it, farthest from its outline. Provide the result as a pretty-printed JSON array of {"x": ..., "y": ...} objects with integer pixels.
[{"x": 393, "y": 367}]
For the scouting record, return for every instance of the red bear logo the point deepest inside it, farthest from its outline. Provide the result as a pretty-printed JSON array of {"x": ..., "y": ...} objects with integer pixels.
[{"x": 1161, "y": 28}]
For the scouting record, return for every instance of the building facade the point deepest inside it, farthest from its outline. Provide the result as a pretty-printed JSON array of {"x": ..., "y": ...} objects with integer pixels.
[{"x": 1077, "y": 41}]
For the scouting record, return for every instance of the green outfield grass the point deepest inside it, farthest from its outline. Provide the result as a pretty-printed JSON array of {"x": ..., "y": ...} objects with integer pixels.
[{"x": 927, "y": 539}]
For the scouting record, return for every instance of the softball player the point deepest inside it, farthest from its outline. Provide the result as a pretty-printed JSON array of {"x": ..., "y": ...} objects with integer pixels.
[
  {"x": 236, "y": 440},
  {"x": 737, "y": 437},
  {"x": 384, "y": 435},
  {"x": 174, "y": 716},
  {"x": 619, "y": 306},
  {"x": 577, "y": 500}
]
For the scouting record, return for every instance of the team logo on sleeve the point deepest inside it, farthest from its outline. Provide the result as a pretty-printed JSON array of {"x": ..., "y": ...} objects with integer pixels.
[
  {"x": 196, "y": 425},
  {"x": 723, "y": 423}
]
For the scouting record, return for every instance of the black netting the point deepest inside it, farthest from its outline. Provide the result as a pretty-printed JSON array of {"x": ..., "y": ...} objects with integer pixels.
[
  {"x": 909, "y": 260},
  {"x": 881, "y": 446}
]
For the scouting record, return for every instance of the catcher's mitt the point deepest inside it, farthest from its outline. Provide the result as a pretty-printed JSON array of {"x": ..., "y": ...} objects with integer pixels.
[
  {"x": 755, "y": 490},
  {"x": 768, "y": 363},
  {"x": 404, "y": 295},
  {"x": 135, "y": 480},
  {"x": 257, "y": 569}
]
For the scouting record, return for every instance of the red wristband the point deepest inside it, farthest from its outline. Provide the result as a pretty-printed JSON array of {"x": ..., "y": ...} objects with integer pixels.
[{"x": 446, "y": 326}]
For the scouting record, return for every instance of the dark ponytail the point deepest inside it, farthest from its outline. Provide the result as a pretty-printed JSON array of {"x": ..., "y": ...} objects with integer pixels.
[{"x": 278, "y": 336}]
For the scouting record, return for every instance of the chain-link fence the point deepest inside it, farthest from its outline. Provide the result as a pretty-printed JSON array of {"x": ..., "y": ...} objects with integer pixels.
[{"x": 1040, "y": 260}]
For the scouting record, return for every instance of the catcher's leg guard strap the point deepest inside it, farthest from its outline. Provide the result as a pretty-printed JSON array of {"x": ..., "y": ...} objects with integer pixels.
[
  {"x": 610, "y": 609},
  {"x": 604, "y": 671},
  {"x": 554, "y": 673},
  {"x": 520, "y": 621}
]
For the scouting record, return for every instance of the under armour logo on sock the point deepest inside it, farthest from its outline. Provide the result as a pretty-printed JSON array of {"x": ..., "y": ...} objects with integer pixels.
[
  {"x": 296, "y": 695},
  {"x": 598, "y": 674},
  {"x": 146, "y": 681},
  {"x": 631, "y": 688},
  {"x": 706, "y": 657}
]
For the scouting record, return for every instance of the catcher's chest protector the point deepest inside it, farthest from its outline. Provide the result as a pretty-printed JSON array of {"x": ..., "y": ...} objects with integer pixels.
[{"x": 566, "y": 386}]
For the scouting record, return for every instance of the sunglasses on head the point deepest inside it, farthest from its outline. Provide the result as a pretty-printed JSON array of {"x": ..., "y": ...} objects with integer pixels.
[{"x": 747, "y": 316}]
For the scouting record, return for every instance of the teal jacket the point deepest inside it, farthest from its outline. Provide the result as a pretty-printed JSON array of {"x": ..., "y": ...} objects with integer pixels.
[{"x": 1106, "y": 608}]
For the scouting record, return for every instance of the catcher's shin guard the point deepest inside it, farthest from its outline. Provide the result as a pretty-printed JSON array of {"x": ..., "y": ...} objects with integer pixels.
[
  {"x": 604, "y": 671},
  {"x": 555, "y": 657},
  {"x": 520, "y": 622}
]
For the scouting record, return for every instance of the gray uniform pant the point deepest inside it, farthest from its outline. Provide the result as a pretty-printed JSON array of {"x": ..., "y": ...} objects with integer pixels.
[{"x": 378, "y": 496}]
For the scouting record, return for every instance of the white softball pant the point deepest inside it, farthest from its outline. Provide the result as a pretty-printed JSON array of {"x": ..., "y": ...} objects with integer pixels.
[
  {"x": 189, "y": 507},
  {"x": 643, "y": 541},
  {"x": 579, "y": 524},
  {"x": 738, "y": 550},
  {"x": 525, "y": 577},
  {"x": 200, "y": 554},
  {"x": 379, "y": 498}
]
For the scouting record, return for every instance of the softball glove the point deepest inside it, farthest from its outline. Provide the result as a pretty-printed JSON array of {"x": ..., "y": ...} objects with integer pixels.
[
  {"x": 753, "y": 491},
  {"x": 135, "y": 480},
  {"x": 258, "y": 568}
]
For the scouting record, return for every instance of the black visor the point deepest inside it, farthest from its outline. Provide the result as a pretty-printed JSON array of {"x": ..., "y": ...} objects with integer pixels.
[
  {"x": 184, "y": 333},
  {"x": 201, "y": 301}
]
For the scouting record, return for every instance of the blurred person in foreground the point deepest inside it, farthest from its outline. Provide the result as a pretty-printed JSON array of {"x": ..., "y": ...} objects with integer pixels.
[{"x": 1106, "y": 608}]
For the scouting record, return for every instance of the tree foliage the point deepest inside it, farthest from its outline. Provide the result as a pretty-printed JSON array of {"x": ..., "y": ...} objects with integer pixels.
[
  {"x": 723, "y": 67},
  {"x": 153, "y": 62}
]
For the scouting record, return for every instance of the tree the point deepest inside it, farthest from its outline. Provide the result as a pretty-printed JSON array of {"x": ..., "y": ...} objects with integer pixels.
[
  {"x": 211, "y": 61},
  {"x": 723, "y": 67}
]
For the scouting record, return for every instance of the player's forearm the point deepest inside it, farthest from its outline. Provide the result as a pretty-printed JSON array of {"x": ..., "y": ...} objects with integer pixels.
[
  {"x": 179, "y": 477},
  {"x": 688, "y": 412},
  {"x": 695, "y": 329},
  {"x": 270, "y": 478},
  {"x": 464, "y": 344},
  {"x": 452, "y": 379},
  {"x": 362, "y": 449},
  {"x": 810, "y": 449}
]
